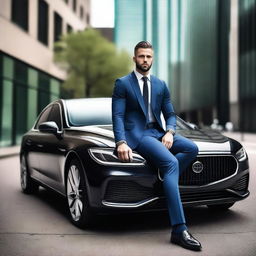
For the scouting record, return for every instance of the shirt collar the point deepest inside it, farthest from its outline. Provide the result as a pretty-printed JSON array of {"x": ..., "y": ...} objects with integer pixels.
[{"x": 139, "y": 75}]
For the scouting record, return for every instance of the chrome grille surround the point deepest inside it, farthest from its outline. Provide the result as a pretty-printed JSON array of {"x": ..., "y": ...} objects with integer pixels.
[{"x": 217, "y": 168}]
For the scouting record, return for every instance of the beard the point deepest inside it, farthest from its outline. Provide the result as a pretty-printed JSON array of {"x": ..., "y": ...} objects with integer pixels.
[{"x": 143, "y": 69}]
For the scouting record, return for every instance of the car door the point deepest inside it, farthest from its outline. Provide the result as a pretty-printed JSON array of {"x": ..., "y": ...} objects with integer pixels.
[
  {"x": 34, "y": 144},
  {"x": 53, "y": 152}
]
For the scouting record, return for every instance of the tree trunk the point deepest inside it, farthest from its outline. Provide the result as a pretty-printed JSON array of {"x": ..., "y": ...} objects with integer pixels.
[{"x": 87, "y": 89}]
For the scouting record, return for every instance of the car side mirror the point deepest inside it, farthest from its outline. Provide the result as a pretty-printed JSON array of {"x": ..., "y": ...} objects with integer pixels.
[{"x": 49, "y": 127}]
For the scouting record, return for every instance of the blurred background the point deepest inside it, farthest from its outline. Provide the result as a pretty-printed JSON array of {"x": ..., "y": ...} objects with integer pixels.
[{"x": 204, "y": 49}]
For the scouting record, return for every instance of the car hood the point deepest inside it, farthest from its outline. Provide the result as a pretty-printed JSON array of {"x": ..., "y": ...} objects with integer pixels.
[{"x": 207, "y": 140}]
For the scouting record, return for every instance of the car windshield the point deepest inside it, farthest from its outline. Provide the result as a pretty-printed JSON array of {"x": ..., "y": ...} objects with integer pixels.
[
  {"x": 97, "y": 111},
  {"x": 82, "y": 112}
]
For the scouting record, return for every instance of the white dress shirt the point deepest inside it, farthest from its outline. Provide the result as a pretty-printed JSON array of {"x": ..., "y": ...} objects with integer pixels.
[{"x": 141, "y": 83}]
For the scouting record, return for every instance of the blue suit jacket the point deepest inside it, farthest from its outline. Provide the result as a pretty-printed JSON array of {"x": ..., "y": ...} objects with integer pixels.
[{"x": 129, "y": 112}]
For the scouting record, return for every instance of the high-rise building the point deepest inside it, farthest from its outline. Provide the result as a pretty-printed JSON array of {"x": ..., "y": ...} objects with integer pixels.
[
  {"x": 246, "y": 100},
  {"x": 199, "y": 53},
  {"x": 29, "y": 78}
]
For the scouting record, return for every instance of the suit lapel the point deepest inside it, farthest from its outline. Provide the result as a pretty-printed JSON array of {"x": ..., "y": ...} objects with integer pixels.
[{"x": 136, "y": 88}]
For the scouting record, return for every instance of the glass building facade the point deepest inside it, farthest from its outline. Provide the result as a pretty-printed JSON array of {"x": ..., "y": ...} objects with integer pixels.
[
  {"x": 24, "y": 92},
  {"x": 190, "y": 40},
  {"x": 247, "y": 64}
]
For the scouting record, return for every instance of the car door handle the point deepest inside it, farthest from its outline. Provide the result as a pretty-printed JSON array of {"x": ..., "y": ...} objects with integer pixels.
[
  {"x": 62, "y": 149},
  {"x": 40, "y": 145}
]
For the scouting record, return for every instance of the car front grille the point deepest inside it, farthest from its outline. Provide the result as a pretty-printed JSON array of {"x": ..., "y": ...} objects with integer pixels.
[
  {"x": 214, "y": 168},
  {"x": 242, "y": 183},
  {"x": 211, "y": 195},
  {"x": 121, "y": 191}
]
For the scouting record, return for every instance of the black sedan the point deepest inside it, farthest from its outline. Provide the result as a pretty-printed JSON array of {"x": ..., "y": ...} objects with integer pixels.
[{"x": 71, "y": 150}]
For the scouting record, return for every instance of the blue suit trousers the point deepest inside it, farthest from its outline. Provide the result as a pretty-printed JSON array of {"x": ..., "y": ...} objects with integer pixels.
[{"x": 171, "y": 164}]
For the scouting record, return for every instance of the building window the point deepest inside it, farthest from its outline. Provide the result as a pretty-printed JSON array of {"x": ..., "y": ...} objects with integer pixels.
[
  {"x": 24, "y": 92},
  {"x": 20, "y": 13},
  {"x": 57, "y": 26},
  {"x": 69, "y": 28},
  {"x": 44, "y": 91},
  {"x": 81, "y": 12},
  {"x": 20, "y": 97},
  {"x": 43, "y": 15},
  {"x": 74, "y": 5},
  {"x": 6, "y": 101}
]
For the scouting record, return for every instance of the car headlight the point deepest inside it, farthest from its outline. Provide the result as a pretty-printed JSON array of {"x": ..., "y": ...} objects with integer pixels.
[
  {"x": 106, "y": 156},
  {"x": 241, "y": 155}
]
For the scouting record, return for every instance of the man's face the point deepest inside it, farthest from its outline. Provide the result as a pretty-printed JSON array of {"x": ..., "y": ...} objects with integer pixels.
[{"x": 143, "y": 59}]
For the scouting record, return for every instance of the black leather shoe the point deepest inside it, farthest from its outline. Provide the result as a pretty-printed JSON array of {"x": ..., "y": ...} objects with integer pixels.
[{"x": 186, "y": 240}]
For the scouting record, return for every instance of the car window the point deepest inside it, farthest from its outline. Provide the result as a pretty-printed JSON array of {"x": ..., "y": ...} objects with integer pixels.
[
  {"x": 82, "y": 112},
  {"x": 55, "y": 115},
  {"x": 43, "y": 117}
]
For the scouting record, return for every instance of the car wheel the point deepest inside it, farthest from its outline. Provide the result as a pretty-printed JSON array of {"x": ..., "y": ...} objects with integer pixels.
[
  {"x": 28, "y": 185},
  {"x": 77, "y": 198},
  {"x": 220, "y": 207}
]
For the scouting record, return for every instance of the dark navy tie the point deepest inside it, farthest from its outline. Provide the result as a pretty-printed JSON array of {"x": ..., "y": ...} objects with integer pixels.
[{"x": 145, "y": 92}]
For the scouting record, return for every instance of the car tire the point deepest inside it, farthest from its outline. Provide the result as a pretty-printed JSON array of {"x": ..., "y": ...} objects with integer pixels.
[
  {"x": 220, "y": 207},
  {"x": 77, "y": 198},
  {"x": 28, "y": 185}
]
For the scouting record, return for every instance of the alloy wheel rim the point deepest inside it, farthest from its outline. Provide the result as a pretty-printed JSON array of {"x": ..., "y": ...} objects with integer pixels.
[
  {"x": 74, "y": 193},
  {"x": 23, "y": 173}
]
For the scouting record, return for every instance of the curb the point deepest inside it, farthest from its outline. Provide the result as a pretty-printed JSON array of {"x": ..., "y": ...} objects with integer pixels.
[
  {"x": 9, "y": 151},
  {"x": 9, "y": 155}
]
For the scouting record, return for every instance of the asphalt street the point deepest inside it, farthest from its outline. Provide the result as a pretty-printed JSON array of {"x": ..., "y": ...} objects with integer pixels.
[{"x": 37, "y": 225}]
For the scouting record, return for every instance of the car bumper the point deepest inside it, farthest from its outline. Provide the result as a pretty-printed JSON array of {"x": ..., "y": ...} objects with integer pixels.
[{"x": 140, "y": 189}]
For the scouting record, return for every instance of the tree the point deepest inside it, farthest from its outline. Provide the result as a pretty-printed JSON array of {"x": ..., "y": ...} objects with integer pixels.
[{"x": 92, "y": 63}]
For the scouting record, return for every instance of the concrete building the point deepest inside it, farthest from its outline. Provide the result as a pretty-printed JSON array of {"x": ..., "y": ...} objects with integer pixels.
[
  {"x": 204, "y": 50},
  {"x": 29, "y": 78}
]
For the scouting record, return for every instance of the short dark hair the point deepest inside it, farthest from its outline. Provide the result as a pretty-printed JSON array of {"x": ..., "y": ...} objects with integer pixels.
[{"x": 142, "y": 44}]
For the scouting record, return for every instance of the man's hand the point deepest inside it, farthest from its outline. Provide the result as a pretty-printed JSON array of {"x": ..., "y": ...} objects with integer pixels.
[
  {"x": 167, "y": 140},
  {"x": 124, "y": 153}
]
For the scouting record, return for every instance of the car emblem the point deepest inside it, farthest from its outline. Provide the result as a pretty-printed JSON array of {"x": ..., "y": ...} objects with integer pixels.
[{"x": 197, "y": 167}]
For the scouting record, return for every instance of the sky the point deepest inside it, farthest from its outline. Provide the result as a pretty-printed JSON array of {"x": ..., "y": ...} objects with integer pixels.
[{"x": 102, "y": 13}]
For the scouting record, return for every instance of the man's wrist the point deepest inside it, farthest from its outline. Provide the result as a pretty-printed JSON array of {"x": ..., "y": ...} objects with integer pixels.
[
  {"x": 121, "y": 142},
  {"x": 171, "y": 131}
]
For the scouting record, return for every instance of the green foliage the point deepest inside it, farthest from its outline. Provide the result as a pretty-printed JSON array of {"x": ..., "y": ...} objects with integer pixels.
[{"x": 92, "y": 64}]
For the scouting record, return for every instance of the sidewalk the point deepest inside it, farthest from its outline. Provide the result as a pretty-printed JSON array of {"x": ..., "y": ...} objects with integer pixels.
[
  {"x": 241, "y": 137},
  {"x": 9, "y": 151},
  {"x": 244, "y": 138}
]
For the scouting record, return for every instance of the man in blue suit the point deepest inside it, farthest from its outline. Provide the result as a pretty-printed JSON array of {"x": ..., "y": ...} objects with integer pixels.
[{"x": 137, "y": 102}]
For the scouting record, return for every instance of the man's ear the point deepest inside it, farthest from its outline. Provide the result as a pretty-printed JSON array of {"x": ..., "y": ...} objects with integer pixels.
[{"x": 133, "y": 58}]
